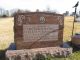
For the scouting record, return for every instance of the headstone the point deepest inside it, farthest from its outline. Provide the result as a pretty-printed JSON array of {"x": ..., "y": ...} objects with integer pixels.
[
  {"x": 76, "y": 39},
  {"x": 38, "y": 29}
]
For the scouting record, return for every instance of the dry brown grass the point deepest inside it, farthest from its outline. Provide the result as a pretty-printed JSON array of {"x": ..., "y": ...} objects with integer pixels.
[
  {"x": 68, "y": 25},
  {"x": 6, "y": 32}
]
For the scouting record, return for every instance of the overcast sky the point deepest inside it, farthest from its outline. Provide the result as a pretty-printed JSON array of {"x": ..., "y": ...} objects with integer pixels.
[{"x": 59, "y": 5}]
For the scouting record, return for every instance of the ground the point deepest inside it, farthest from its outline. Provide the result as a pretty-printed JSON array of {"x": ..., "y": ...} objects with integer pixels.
[
  {"x": 68, "y": 25},
  {"x": 7, "y": 34}
]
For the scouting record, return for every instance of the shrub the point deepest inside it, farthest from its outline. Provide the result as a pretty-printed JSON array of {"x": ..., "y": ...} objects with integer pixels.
[{"x": 4, "y": 16}]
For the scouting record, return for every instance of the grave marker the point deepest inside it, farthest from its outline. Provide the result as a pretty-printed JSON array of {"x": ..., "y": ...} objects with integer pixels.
[{"x": 38, "y": 29}]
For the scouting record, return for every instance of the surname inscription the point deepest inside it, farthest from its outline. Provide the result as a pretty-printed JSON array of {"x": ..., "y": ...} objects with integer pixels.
[{"x": 43, "y": 32}]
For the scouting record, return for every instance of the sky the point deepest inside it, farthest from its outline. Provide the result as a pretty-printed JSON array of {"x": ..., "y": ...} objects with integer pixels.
[{"x": 58, "y": 5}]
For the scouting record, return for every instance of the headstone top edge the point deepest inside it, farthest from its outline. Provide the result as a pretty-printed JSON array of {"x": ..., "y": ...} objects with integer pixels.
[{"x": 48, "y": 13}]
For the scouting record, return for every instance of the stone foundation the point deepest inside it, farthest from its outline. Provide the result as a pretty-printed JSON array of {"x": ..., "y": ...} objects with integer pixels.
[{"x": 30, "y": 54}]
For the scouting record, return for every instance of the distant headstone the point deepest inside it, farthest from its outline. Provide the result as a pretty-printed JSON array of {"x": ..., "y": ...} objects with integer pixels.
[{"x": 38, "y": 29}]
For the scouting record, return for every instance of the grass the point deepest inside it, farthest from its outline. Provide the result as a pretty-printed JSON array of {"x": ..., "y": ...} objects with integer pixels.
[
  {"x": 68, "y": 25},
  {"x": 7, "y": 35},
  {"x": 6, "y": 32}
]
